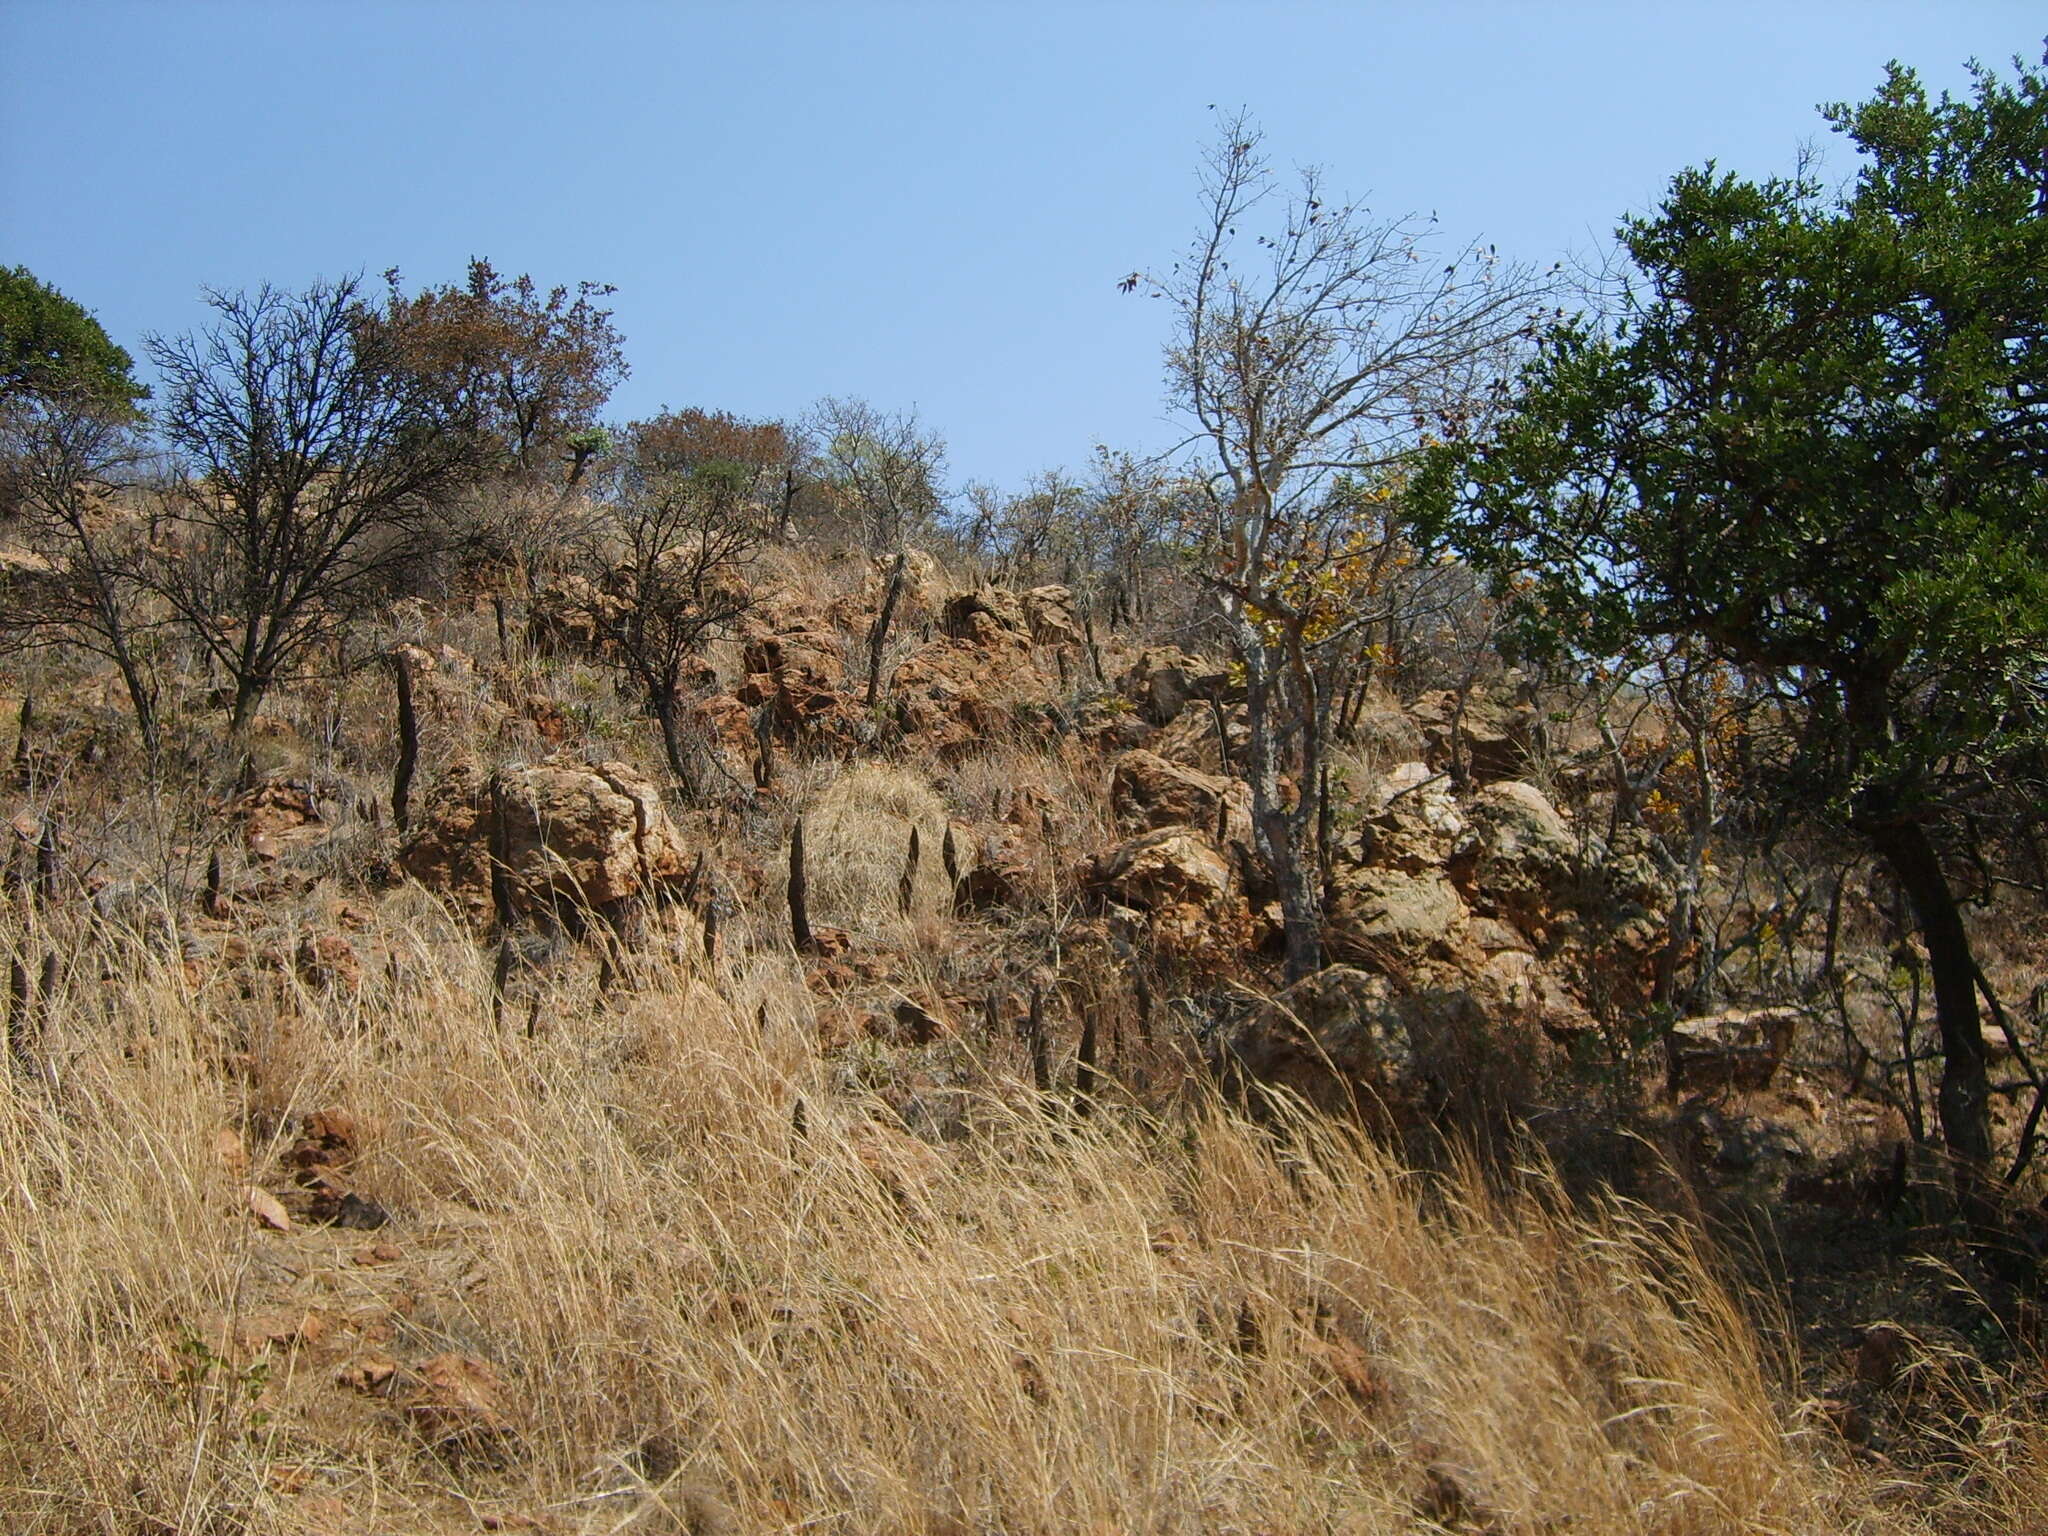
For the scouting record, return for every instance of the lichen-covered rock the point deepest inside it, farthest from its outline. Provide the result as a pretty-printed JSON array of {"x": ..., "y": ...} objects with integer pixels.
[
  {"x": 918, "y": 600},
  {"x": 1351, "y": 1041},
  {"x": 1049, "y": 615},
  {"x": 1390, "y": 919},
  {"x": 792, "y": 656},
  {"x": 1516, "y": 990},
  {"x": 1146, "y": 792},
  {"x": 794, "y": 667},
  {"x": 1168, "y": 867},
  {"x": 1739, "y": 1049},
  {"x": 1412, "y": 821},
  {"x": 1335, "y": 1039},
  {"x": 1107, "y": 725},
  {"x": 1387, "y": 735},
  {"x": 1203, "y": 738},
  {"x": 1519, "y": 822},
  {"x": 1163, "y": 680},
  {"x": 938, "y": 695},
  {"x": 567, "y": 833},
  {"x": 988, "y": 617},
  {"x": 1619, "y": 929},
  {"x": 1521, "y": 861}
]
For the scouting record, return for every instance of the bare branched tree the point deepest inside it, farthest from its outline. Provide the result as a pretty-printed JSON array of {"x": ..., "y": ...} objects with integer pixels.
[
  {"x": 311, "y": 458},
  {"x": 887, "y": 471},
  {"x": 684, "y": 534},
  {"x": 1331, "y": 350},
  {"x": 70, "y": 459}
]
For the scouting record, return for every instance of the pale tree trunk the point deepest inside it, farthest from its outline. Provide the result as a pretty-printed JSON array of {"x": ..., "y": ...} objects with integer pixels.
[{"x": 1274, "y": 834}]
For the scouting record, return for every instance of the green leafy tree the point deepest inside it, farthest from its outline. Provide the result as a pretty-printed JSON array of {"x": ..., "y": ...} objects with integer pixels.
[
  {"x": 49, "y": 345},
  {"x": 1810, "y": 440}
]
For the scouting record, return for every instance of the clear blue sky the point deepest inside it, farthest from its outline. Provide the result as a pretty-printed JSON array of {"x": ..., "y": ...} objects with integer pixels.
[{"x": 923, "y": 205}]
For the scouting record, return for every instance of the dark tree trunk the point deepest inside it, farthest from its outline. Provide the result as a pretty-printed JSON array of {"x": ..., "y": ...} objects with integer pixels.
[
  {"x": 1963, "y": 1100},
  {"x": 408, "y": 742},
  {"x": 764, "y": 748},
  {"x": 25, "y": 722},
  {"x": 664, "y": 702},
  {"x": 1084, "y": 1065},
  {"x": 141, "y": 694},
  {"x": 878, "y": 637},
  {"x": 799, "y": 892},
  {"x": 248, "y": 695},
  {"x": 785, "y": 515},
  {"x": 1885, "y": 815},
  {"x": 1041, "y": 1059}
]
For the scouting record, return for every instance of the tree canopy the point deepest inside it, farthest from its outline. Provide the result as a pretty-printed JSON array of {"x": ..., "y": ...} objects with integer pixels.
[
  {"x": 528, "y": 369},
  {"x": 1809, "y": 436},
  {"x": 311, "y": 456},
  {"x": 49, "y": 344},
  {"x": 1318, "y": 355}
]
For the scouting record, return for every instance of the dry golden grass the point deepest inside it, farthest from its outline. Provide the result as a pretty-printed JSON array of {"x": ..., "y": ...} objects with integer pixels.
[
  {"x": 857, "y": 844},
  {"x": 1113, "y": 1325}
]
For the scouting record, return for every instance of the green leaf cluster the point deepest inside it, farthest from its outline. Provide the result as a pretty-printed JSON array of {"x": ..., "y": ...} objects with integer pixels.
[
  {"x": 50, "y": 347},
  {"x": 1812, "y": 436}
]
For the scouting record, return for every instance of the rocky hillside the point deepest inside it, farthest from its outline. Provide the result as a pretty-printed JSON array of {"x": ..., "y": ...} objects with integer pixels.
[{"x": 909, "y": 1127}]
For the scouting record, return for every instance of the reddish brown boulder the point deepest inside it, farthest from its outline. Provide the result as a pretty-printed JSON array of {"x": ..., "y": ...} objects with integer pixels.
[
  {"x": 947, "y": 694},
  {"x": 567, "y": 833},
  {"x": 573, "y": 616},
  {"x": 278, "y": 816},
  {"x": 1146, "y": 791},
  {"x": 1005, "y": 874},
  {"x": 328, "y": 960},
  {"x": 807, "y": 656},
  {"x": 1163, "y": 680},
  {"x": 1049, "y": 616},
  {"x": 1169, "y": 867},
  {"x": 988, "y": 617},
  {"x": 455, "y": 1403}
]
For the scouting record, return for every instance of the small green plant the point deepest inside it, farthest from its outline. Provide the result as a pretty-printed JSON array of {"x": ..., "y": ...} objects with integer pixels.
[{"x": 213, "y": 1387}]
